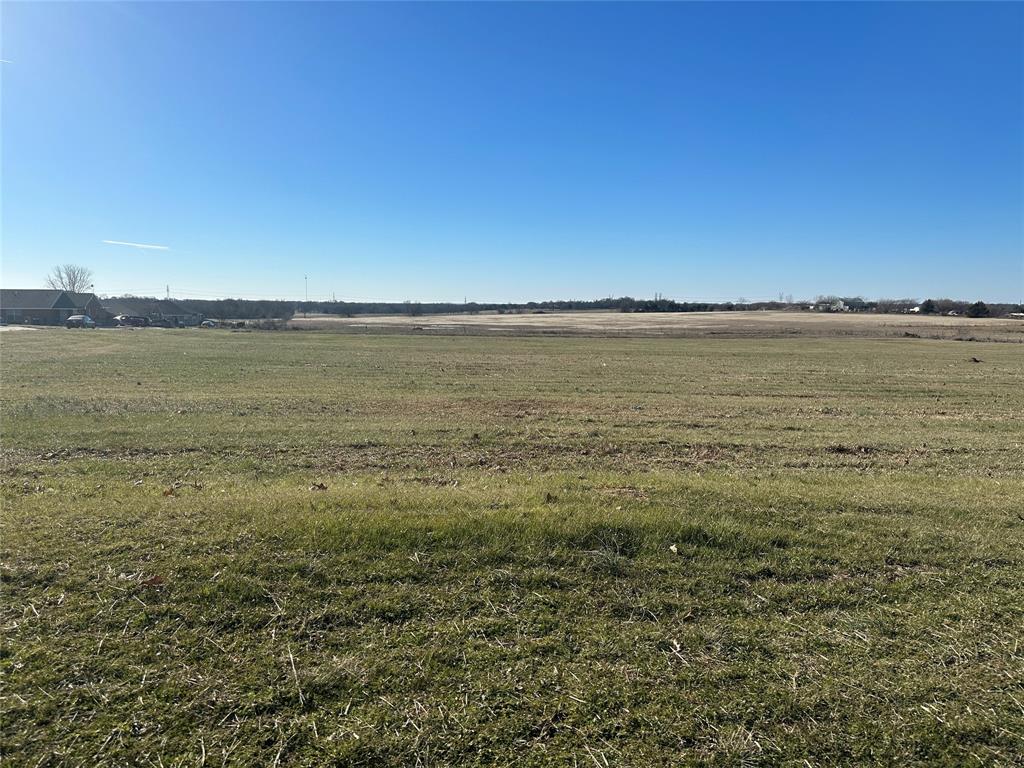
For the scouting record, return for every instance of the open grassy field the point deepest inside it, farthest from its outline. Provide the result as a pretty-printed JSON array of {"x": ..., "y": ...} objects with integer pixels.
[
  {"x": 307, "y": 549},
  {"x": 681, "y": 325}
]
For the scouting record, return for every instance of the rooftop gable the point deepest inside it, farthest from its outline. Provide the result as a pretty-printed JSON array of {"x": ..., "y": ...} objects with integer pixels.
[{"x": 82, "y": 299}]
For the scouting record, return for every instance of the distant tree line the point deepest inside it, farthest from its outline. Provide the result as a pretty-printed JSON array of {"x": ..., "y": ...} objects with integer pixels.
[
  {"x": 975, "y": 309},
  {"x": 246, "y": 309},
  {"x": 78, "y": 279},
  {"x": 241, "y": 309}
]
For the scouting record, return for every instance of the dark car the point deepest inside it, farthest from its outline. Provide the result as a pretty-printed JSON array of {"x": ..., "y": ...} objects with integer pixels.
[
  {"x": 80, "y": 321},
  {"x": 132, "y": 321}
]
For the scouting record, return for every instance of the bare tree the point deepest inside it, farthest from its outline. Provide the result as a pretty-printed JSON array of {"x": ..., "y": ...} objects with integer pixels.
[{"x": 70, "y": 277}]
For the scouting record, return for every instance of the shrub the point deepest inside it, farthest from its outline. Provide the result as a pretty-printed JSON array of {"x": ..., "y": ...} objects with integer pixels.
[{"x": 978, "y": 309}]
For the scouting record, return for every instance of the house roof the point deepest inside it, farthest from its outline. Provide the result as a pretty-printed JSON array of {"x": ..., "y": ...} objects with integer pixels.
[
  {"x": 134, "y": 305},
  {"x": 82, "y": 299},
  {"x": 43, "y": 298},
  {"x": 29, "y": 298}
]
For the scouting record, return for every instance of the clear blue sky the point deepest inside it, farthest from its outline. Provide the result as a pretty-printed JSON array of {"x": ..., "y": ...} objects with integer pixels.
[{"x": 517, "y": 151}]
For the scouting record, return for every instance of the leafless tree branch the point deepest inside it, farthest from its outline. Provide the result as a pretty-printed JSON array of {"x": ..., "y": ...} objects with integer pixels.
[{"x": 70, "y": 277}]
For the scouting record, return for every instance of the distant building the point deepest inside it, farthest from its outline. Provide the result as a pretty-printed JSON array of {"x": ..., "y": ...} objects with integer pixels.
[
  {"x": 46, "y": 306},
  {"x": 152, "y": 309},
  {"x": 838, "y": 305}
]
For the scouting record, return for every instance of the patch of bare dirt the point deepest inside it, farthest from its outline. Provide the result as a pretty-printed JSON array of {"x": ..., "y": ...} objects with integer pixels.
[{"x": 777, "y": 324}]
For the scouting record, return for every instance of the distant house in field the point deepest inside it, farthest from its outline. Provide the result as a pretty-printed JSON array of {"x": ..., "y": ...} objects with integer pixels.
[
  {"x": 46, "y": 306},
  {"x": 836, "y": 305},
  {"x": 152, "y": 309}
]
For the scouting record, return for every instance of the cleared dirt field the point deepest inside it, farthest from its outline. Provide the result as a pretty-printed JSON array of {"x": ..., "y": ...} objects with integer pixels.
[
  {"x": 684, "y": 325},
  {"x": 326, "y": 549}
]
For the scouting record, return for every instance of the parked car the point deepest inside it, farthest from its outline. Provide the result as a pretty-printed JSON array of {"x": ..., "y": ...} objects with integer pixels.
[
  {"x": 208, "y": 324},
  {"x": 161, "y": 322},
  {"x": 132, "y": 321},
  {"x": 79, "y": 321}
]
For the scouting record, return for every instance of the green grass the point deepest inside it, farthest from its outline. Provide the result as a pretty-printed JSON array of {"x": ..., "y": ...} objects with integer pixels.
[{"x": 489, "y": 577}]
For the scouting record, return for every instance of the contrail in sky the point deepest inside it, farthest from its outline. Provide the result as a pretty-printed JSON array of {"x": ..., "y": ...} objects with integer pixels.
[{"x": 138, "y": 245}]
